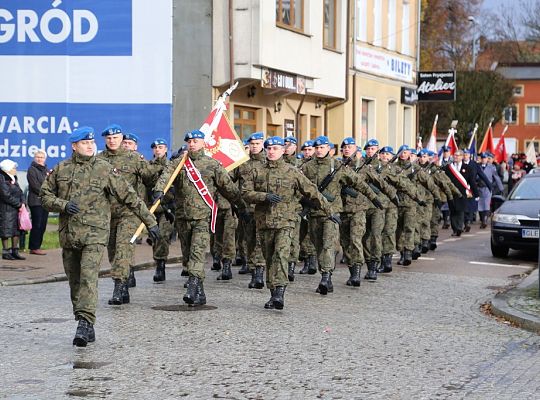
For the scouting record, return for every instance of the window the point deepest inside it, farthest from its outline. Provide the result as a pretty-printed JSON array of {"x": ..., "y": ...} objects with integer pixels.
[
  {"x": 272, "y": 130},
  {"x": 532, "y": 115},
  {"x": 368, "y": 121},
  {"x": 392, "y": 123},
  {"x": 290, "y": 14},
  {"x": 245, "y": 121},
  {"x": 329, "y": 26},
  {"x": 510, "y": 114},
  {"x": 405, "y": 28},
  {"x": 391, "y": 25},
  {"x": 518, "y": 90},
  {"x": 377, "y": 20},
  {"x": 407, "y": 125},
  {"x": 314, "y": 123},
  {"x": 361, "y": 13}
]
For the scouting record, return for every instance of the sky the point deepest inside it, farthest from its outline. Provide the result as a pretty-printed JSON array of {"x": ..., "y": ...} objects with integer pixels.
[{"x": 501, "y": 7}]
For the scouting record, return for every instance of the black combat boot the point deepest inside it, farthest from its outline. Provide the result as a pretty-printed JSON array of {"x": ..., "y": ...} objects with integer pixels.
[
  {"x": 244, "y": 269},
  {"x": 15, "y": 254},
  {"x": 433, "y": 243},
  {"x": 184, "y": 272},
  {"x": 278, "y": 296},
  {"x": 116, "y": 298},
  {"x": 251, "y": 283},
  {"x": 270, "y": 303},
  {"x": 371, "y": 274},
  {"x": 323, "y": 284},
  {"x": 216, "y": 263},
  {"x": 191, "y": 293},
  {"x": 200, "y": 296},
  {"x": 467, "y": 226},
  {"x": 125, "y": 293},
  {"x": 378, "y": 265},
  {"x": 82, "y": 334},
  {"x": 237, "y": 261},
  {"x": 407, "y": 257},
  {"x": 259, "y": 278},
  {"x": 425, "y": 246},
  {"x": 386, "y": 263},
  {"x": 330, "y": 284},
  {"x": 226, "y": 273},
  {"x": 91, "y": 334},
  {"x": 159, "y": 275},
  {"x": 312, "y": 269},
  {"x": 305, "y": 268},
  {"x": 132, "y": 282},
  {"x": 6, "y": 254},
  {"x": 290, "y": 272},
  {"x": 446, "y": 219},
  {"x": 401, "y": 258},
  {"x": 416, "y": 253},
  {"x": 354, "y": 279}
]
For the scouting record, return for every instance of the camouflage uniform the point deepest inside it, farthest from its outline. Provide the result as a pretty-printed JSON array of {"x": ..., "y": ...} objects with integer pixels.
[
  {"x": 424, "y": 184},
  {"x": 223, "y": 242},
  {"x": 95, "y": 186}
]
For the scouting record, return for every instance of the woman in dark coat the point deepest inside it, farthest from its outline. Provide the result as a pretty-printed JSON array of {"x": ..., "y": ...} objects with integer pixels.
[
  {"x": 11, "y": 199},
  {"x": 37, "y": 173}
]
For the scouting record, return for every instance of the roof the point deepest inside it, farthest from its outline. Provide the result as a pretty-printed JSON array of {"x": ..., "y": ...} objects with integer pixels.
[{"x": 520, "y": 71}]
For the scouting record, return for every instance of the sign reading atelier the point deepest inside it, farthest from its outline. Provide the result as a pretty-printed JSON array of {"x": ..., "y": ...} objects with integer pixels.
[
  {"x": 436, "y": 86},
  {"x": 272, "y": 79}
]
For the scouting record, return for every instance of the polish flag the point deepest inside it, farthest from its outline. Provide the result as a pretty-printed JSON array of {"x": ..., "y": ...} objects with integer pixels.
[
  {"x": 500, "y": 154},
  {"x": 432, "y": 144},
  {"x": 451, "y": 141}
]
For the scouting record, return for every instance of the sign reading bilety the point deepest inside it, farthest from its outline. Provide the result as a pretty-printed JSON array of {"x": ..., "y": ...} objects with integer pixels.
[{"x": 436, "y": 86}]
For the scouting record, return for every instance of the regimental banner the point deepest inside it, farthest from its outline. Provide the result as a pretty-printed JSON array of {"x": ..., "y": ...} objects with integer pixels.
[
  {"x": 272, "y": 79},
  {"x": 436, "y": 86},
  {"x": 383, "y": 64}
]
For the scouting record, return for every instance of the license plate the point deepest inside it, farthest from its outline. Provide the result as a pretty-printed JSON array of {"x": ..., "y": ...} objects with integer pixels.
[{"x": 529, "y": 233}]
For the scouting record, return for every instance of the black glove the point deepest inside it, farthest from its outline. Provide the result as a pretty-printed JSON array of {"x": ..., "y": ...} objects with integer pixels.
[
  {"x": 395, "y": 200},
  {"x": 72, "y": 208},
  {"x": 437, "y": 203},
  {"x": 169, "y": 216},
  {"x": 307, "y": 203},
  {"x": 335, "y": 218},
  {"x": 378, "y": 204},
  {"x": 244, "y": 215},
  {"x": 273, "y": 198},
  {"x": 153, "y": 232},
  {"x": 421, "y": 203},
  {"x": 157, "y": 195},
  {"x": 349, "y": 191}
]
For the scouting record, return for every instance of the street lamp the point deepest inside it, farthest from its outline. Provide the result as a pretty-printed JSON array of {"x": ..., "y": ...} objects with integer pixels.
[{"x": 472, "y": 20}]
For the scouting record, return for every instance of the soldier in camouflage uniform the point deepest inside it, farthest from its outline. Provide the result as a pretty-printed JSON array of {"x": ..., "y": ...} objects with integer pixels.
[
  {"x": 223, "y": 241},
  {"x": 124, "y": 223},
  {"x": 291, "y": 145},
  {"x": 82, "y": 190},
  {"x": 307, "y": 250},
  {"x": 323, "y": 232},
  {"x": 275, "y": 189},
  {"x": 193, "y": 215},
  {"x": 255, "y": 260}
]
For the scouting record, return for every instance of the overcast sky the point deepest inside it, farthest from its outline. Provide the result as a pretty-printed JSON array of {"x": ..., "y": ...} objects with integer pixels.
[{"x": 501, "y": 7}]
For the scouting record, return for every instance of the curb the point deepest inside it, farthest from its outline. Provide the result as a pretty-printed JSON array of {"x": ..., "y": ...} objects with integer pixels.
[
  {"x": 501, "y": 308},
  {"x": 63, "y": 277}
]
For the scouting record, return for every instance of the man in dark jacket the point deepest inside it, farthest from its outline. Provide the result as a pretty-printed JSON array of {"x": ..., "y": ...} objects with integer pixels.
[
  {"x": 36, "y": 175},
  {"x": 472, "y": 203},
  {"x": 11, "y": 199}
]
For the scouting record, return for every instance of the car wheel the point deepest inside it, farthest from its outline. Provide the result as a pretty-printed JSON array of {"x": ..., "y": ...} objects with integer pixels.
[{"x": 499, "y": 250}]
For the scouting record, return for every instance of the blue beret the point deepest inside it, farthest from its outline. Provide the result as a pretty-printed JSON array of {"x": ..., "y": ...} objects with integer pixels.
[
  {"x": 113, "y": 129},
  {"x": 348, "y": 140},
  {"x": 82, "y": 133},
  {"x": 431, "y": 153},
  {"x": 484, "y": 154},
  {"x": 387, "y": 149},
  {"x": 413, "y": 151},
  {"x": 490, "y": 154},
  {"x": 307, "y": 143},
  {"x": 332, "y": 145},
  {"x": 371, "y": 142},
  {"x": 466, "y": 151},
  {"x": 423, "y": 152},
  {"x": 256, "y": 136},
  {"x": 290, "y": 139},
  {"x": 274, "y": 141},
  {"x": 159, "y": 141},
  {"x": 404, "y": 148},
  {"x": 321, "y": 140},
  {"x": 131, "y": 136},
  {"x": 445, "y": 148},
  {"x": 299, "y": 156},
  {"x": 195, "y": 134},
  {"x": 245, "y": 142}
]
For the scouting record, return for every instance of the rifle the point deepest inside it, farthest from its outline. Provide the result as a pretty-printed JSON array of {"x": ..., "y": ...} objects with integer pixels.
[{"x": 368, "y": 161}]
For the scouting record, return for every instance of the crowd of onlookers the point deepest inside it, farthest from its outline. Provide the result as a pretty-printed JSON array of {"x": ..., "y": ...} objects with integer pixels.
[{"x": 518, "y": 166}]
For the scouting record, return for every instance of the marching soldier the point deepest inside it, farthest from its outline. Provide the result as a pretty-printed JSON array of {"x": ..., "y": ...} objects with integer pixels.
[
  {"x": 290, "y": 150},
  {"x": 307, "y": 250},
  {"x": 223, "y": 241},
  {"x": 196, "y": 210},
  {"x": 136, "y": 172},
  {"x": 82, "y": 190},
  {"x": 275, "y": 189},
  {"x": 130, "y": 141},
  {"x": 485, "y": 191}
]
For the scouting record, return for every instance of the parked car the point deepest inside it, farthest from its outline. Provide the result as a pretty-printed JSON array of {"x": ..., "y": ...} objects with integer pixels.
[{"x": 515, "y": 223}]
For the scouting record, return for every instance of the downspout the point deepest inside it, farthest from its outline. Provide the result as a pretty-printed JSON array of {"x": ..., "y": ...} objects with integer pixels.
[
  {"x": 231, "y": 50},
  {"x": 297, "y": 118},
  {"x": 347, "y": 55}
]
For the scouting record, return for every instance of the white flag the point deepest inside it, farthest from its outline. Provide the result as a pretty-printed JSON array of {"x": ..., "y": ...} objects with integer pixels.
[{"x": 531, "y": 153}]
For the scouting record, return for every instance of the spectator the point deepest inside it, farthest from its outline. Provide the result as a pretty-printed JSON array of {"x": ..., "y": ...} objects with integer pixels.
[
  {"x": 37, "y": 173},
  {"x": 517, "y": 174},
  {"x": 11, "y": 199}
]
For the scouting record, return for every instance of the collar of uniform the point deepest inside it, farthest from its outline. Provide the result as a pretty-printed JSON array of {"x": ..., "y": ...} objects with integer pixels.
[
  {"x": 80, "y": 159},
  {"x": 196, "y": 155},
  {"x": 324, "y": 160},
  {"x": 275, "y": 163},
  {"x": 260, "y": 156},
  {"x": 403, "y": 163},
  {"x": 116, "y": 152}
]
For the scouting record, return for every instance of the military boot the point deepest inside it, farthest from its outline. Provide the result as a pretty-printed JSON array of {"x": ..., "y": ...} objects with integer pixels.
[
  {"x": 6, "y": 254},
  {"x": 244, "y": 269},
  {"x": 323, "y": 284},
  {"x": 425, "y": 246},
  {"x": 116, "y": 298},
  {"x": 15, "y": 254},
  {"x": 216, "y": 263},
  {"x": 401, "y": 258},
  {"x": 91, "y": 334},
  {"x": 200, "y": 296},
  {"x": 191, "y": 293},
  {"x": 125, "y": 293},
  {"x": 132, "y": 282},
  {"x": 371, "y": 274},
  {"x": 467, "y": 227},
  {"x": 305, "y": 268},
  {"x": 259, "y": 278},
  {"x": 82, "y": 334},
  {"x": 387, "y": 263},
  {"x": 159, "y": 275},
  {"x": 379, "y": 265},
  {"x": 416, "y": 253},
  {"x": 354, "y": 279},
  {"x": 330, "y": 284},
  {"x": 446, "y": 221},
  {"x": 279, "y": 300},
  {"x": 237, "y": 261},
  {"x": 290, "y": 272},
  {"x": 433, "y": 243},
  {"x": 407, "y": 257},
  {"x": 312, "y": 269},
  {"x": 226, "y": 273},
  {"x": 184, "y": 272},
  {"x": 270, "y": 303}
]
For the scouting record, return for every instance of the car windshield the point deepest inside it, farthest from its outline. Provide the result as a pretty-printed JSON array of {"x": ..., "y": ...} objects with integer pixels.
[{"x": 528, "y": 189}]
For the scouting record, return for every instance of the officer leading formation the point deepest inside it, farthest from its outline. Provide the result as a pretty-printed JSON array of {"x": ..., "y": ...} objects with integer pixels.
[{"x": 275, "y": 210}]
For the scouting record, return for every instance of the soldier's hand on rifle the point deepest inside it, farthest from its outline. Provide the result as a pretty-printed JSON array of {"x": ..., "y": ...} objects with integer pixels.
[
  {"x": 157, "y": 195},
  {"x": 273, "y": 198},
  {"x": 153, "y": 232},
  {"x": 395, "y": 200},
  {"x": 377, "y": 203},
  {"x": 169, "y": 215},
  {"x": 72, "y": 208},
  {"x": 421, "y": 203},
  {"x": 335, "y": 219}
]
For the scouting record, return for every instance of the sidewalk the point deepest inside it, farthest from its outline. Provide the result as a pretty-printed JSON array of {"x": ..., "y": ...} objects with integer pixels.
[
  {"x": 520, "y": 305},
  {"x": 49, "y": 268}
]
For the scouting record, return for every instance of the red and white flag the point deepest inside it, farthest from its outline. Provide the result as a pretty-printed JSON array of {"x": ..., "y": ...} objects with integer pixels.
[
  {"x": 487, "y": 142},
  {"x": 451, "y": 141},
  {"x": 221, "y": 141},
  {"x": 432, "y": 144},
  {"x": 500, "y": 154}
]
